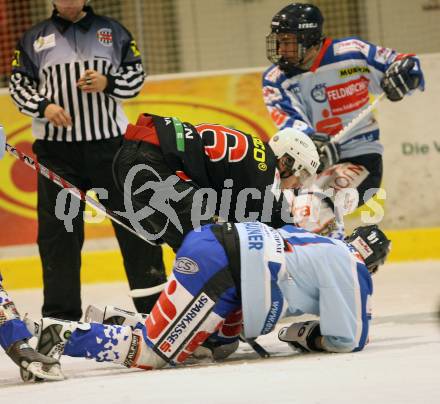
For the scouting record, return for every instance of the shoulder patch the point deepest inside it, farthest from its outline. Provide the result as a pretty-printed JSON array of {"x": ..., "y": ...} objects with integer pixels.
[
  {"x": 44, "y": 42},
  {"x": 272, "y": 94},
  {"x": 382, "y": 54},
  {"x": 351, "y": 45},
  {"x": 273, "y": 74}
]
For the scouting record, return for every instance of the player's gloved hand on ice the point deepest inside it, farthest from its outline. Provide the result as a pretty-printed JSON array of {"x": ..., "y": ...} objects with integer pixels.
[
  {"x": 33, "y": 364},
  {"x": 328, "y": 151},
  {"x": 400, "y": 78},
  {"x": 302, "y": 336}
]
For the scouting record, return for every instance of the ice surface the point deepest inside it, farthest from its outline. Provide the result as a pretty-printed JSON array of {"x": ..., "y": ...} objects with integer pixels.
[{"x": 400, "y": 365}]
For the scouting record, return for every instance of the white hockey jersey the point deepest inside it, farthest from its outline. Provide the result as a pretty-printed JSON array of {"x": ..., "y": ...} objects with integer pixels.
[
  {"x": 334, "y": 91},
  {"x": 290, "y": 271}
]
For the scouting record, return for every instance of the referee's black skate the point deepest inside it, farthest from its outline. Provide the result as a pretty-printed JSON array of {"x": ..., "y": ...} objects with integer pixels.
[{"x": 33, "y": 365}]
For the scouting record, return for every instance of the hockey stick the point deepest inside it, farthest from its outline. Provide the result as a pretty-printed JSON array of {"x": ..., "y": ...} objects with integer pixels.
[
  {"x": 256, "y": 347},
  {"x": 343, "y": 132},
  {"x": 61, "y": 182},
  {"x": 147, "y": 291}
]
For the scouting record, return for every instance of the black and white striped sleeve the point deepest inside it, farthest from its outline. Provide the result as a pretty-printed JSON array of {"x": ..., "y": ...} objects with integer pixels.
[
  {"x": 126, "y": 82},
  {"x": 23, "y": 86}
]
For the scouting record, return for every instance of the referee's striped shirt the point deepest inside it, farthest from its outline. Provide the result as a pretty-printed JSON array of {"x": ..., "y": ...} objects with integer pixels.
[{"x": 50, "y": 59}]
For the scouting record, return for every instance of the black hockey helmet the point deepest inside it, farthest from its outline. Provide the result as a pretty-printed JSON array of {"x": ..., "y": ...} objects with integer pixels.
[
  {"x": 305, "y": 21},
  {"x": 372, "y": 244}
]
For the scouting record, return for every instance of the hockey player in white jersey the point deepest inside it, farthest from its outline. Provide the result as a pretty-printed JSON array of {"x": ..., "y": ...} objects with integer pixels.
[
  {"x": 318, "y": 85},
  {"x": 249, "y": 267}
]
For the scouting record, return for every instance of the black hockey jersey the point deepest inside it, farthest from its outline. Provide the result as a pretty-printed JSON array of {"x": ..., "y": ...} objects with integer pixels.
[{"x": 239, "y": 167}]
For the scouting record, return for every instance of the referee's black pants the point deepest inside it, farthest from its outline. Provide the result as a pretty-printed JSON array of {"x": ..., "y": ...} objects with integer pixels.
[{"x": 86, "y": 165}]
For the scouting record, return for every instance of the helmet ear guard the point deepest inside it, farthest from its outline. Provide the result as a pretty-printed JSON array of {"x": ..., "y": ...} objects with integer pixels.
[{"x": 372, "y": 244}]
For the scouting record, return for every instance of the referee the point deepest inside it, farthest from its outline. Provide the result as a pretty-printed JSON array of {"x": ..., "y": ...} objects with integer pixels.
[{"x": 70, "y": 73}]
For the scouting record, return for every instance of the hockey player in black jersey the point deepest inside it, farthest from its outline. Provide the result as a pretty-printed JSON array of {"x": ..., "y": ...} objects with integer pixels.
[{"x": 176, "y": 176}]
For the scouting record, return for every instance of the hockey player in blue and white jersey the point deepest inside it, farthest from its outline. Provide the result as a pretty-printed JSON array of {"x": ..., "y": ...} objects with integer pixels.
[
  {"x": 263, "y": 272},
  {"x": 14, "y": 337},
  {"x": 318, "y": 85}
]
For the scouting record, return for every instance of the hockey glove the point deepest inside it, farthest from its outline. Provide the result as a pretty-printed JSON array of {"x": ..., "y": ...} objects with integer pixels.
[
  {"x": 33, "y": 364},
  {"x": 302, "y": 336},
  {"x": 319, "y": 139},
  {"x": 399, "y": 80},
  {"x": 328, "y": 155},
  {"x": 328, "y": 151}
]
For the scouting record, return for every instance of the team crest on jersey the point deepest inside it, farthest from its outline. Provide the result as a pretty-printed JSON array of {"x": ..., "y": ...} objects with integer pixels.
[
  {"x": 105, "y": 36},
  {"x": 318, "y": 93}
]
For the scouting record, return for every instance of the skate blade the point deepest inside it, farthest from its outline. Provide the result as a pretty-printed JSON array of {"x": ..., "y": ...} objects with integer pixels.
[
  {"x": 35, "y": 372},
  {"x": 94, "y": 314}
]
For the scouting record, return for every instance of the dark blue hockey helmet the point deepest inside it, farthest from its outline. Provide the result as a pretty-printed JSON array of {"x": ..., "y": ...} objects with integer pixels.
[
  {"x": 305, "y": 21},
  {"x": 372, "y": 244}
]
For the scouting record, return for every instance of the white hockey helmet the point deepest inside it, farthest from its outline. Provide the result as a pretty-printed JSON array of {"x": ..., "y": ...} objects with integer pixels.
[{"x": 300, "y": 148}]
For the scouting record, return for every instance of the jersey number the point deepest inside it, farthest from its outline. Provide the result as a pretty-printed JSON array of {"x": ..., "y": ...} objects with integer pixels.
[{"x": 220, "y": 135}]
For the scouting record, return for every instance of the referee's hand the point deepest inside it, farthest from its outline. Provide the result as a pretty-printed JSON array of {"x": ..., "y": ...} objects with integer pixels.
[
  {"x": 92, "y": 82},
  {"x": 57, "y": 116}
]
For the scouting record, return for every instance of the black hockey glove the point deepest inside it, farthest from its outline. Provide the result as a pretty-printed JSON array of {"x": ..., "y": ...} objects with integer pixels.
[
  {"x": 302, "y": 336},
  {"x": 319, "y": 139},
  {"x": 398, "y": 79},
  {"x": 329, "y": 156},
  {"x": 328, "y": 151}
]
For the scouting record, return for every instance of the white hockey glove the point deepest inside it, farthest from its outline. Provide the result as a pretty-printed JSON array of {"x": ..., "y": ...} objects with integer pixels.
[
  {"x": 399, "y": 80},
  {"x": 302, "y": 336}
]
